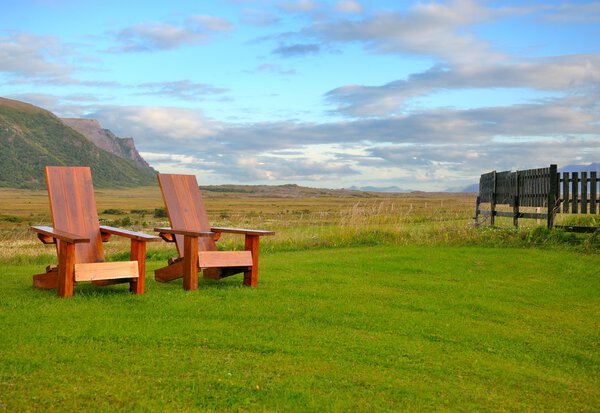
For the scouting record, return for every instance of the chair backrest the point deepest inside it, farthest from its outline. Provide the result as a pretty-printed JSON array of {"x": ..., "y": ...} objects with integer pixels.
[
  {"x": 185, "y": 208},
  {"x": 73, "y": 208}
]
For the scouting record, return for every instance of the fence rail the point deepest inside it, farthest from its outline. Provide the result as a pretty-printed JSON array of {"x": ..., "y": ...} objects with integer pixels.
[{"x": 542, "y": 188}]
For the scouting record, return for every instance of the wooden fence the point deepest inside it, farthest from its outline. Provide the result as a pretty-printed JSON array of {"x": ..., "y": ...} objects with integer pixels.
[{"x": 545, "y": 189}]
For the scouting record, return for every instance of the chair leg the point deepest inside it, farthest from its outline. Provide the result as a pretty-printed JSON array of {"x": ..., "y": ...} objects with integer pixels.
[
  {"x": 190, "y": 263},
  {"x": 252, "y": 245},
  {"x": 66, "y": 269},
  {"x": 138, "y": 253}
]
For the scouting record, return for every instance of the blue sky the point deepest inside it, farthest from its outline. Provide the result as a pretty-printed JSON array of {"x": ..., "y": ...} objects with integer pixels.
[{"x": 419, "y": 95}]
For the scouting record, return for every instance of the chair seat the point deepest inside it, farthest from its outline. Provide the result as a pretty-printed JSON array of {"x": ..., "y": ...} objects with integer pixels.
[
  {"x": 106, "y": 270},
  {"x": 210, "y": 259}
]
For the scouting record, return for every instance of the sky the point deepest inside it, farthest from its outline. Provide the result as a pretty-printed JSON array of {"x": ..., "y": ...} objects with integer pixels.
[{"x": 418, "y": 95}]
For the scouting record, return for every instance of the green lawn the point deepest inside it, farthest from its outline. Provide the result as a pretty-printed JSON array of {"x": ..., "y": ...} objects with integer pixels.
[{"x": 382, "y": 328}]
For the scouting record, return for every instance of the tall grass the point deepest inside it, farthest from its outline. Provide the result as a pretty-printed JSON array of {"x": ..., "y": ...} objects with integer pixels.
[{"x": 427, "y": 219}]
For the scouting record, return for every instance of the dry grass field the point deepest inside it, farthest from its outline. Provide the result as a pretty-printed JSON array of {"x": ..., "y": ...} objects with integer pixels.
[{"x": 301, "y": 218}]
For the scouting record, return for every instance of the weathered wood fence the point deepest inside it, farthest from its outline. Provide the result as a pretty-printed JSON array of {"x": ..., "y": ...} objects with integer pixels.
[{"x": 545, "y": 189}]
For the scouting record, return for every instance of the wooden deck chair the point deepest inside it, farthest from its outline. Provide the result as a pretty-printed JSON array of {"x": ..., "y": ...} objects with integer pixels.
[
  {"x": 78, "y": 237},
  {"x": 195, "y": 238}
]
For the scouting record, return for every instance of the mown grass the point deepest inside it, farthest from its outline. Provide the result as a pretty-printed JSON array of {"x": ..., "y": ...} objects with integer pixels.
[
  {"x": 377, "y": 303},
  {"x": 383, "y": 328}
]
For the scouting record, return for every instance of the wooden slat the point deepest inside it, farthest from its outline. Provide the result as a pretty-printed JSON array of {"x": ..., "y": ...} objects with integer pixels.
[
  {"x": 185, "y": 208},
  {"x": 106, "y": 270},
  {"x": 593, "y": 191},
  {"x": 138, "y": 236},
  {"x": 73, "y": 208},
  {"x": 208, "y": 259},
  {"x": 565, "y": 192},
  {"x": 575, "y": 192},
  {"x": 163, "y": 230},
  {"x": 47, "y": 280},
  {"x": 242, "y": 231},
  {"x": 49, "y": 232},
  {"x": 170, "y": 272},
  {"x": 584, "y": 193}
]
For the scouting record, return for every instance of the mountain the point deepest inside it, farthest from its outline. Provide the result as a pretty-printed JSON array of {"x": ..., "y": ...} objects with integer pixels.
[
  {"x": 105, "y": 139},
  {"x": 379, "y": 189},
  {"x": 31, "y": 138},
  {"x": 595, "y": 166}
]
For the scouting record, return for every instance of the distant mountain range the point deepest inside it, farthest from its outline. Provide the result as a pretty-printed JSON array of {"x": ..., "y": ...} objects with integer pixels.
[
  {"x": 32, "y": 138},
  {"x": 595, "y": 166},
  {"x": 380, "y": 189}
]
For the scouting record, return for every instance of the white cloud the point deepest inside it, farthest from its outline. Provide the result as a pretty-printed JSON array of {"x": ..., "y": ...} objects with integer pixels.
[
  {"x": 348, "y": 6},
  {"x": 152, "y": 36},
  {"x": 180, "y": 89},
  {"x": 34, "y": 57},
  {"x": 428, "y": 29},
  {"x": 297, "y": 6},
  {"x": 172, "y": 130},
  {"x": 256, "y": 17},
  {"x": 573, "y": 74}
]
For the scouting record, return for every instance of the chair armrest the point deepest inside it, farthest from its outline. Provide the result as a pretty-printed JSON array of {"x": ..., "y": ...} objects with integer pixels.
[
  {"x": 138, "y": 236},
  {"x": 168, "y": 230},
  {"x": 242, "y": 231},
  {"x": 61, "y": 235}
]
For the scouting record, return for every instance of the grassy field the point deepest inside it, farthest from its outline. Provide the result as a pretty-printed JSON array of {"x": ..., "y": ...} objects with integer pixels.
[{"x": 372, "y": 303}]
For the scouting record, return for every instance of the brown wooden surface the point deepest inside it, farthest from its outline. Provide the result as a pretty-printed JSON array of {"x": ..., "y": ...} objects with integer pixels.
[
  {"x": 79, "y": 238},
  {"x": 106, "y": 270},
  {"x": 195, "y": 238},
  {"x": 73, "y": 209},
  {"x": 243, "y": 231},
  {"x": 191, "y": 233},
  {"x": 185, "y": 208},
  {"x": 66, "y": 269},
  {"x": 48, "y": 232},
  {"x": 138, "y": 255},
  {"x": 252, "y": 245},
  {"x": 47, "y": 280},
  {"x": 138, "y": 236},
  {"x": 169, "y": 273},
  {"x": 210, "y": 259},
  {"x": 190, "y": 263}
]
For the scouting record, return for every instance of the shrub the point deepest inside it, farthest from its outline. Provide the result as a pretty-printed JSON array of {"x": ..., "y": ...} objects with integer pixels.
[
  {"x": 113, "y": 211},
  {"x": 160, "y": 213}
]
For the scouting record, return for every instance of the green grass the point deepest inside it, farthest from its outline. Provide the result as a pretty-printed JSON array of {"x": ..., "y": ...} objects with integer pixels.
[{"x": 382, "y": 328}]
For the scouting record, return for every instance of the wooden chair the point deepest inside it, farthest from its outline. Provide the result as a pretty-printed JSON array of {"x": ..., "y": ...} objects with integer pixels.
[
  {"x": 195, "y": 238},
  {"x": 78, "y": 237}
]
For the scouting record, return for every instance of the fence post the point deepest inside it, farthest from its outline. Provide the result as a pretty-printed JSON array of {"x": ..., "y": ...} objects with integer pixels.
[
  {"x": 553, "y": 195},
  {"x": 516, "y": 200},
  {"x": 493, "y": 201},
  {"x": 477, "y": 203},
  {"x": 593, "y": 193},
  {"x": 565, "y": 192}
]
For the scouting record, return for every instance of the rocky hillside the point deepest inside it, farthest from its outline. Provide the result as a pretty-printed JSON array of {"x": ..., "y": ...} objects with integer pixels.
[
  {"x": 31, "y": 138},
  {"x": 105, "y": 139}
]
